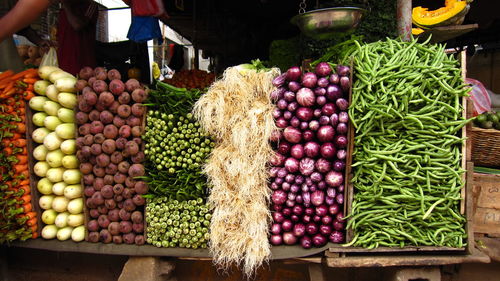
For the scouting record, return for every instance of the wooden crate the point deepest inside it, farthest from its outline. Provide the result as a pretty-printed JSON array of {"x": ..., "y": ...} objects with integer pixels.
[
  {"x": 466, "y": 204},
  {"x": 486, "y": 190}
]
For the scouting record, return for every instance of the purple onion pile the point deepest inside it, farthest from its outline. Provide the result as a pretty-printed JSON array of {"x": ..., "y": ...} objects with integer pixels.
[{"x": 307, "y": 171}]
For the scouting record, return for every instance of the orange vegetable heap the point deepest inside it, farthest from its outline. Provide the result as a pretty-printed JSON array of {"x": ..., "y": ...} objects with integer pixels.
[
  {"x": 191, "y": 79},
  {"x": 17, "y": 218}
]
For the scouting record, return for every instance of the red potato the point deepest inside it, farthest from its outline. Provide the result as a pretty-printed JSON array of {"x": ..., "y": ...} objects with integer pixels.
[
  {"x": 118, "y": 239},
  {"x": 132, "y": 84},
  {"x": 99, "y": 138},
  {"x": 105, "y": 236},
  {"x": 139, "y": 240},
  {"x": 129, "y": 205},
  {"x": 93, "y": 237},
  {"x": 96, "y": 149},
  {"x": 96, "y": 127},
  {"x": 101, "y": 75},
  {"x": 81, "y": 117},
  {"x": 139, "y": 95},
  {"x": 136, "y": 131},
  {"x": 94, "y": 115},
  {"x": 109, "y": 146},
  {"x": 129, "y": 238},
  {"x": 124, "y": 98},
  {"x": 107, "y": 191},
  {"x": 118, "y": 121},
  {"x": 138, "y": 158},
  {"x": 105, "y": 99},
  {"x": 141, "y": 187},
  {"x": 138, "y": 109},
  {"x": 102, "y": 209},
  {"x": 86, "y": 151},
  {"x": 137, "y": 217},
  {"x": 125, "y": 131},
  {"x": 124, "y": 215},
  {"x": 88, "y": 191},
  {"x": 119, "y": 177},
  {"x": 91, "y": 81},
  {"x": 89, "y": 97},
  {"x": 124, "y": 110},
  {"x": 130, "y": 183},
  {"x": 92, "y": 160},
  {"x": 137, "y": 140},
  {"x": 114, "y": 214},
  {"x": 92, "y": 225},
  {"x": 79, "y": 142},
  {"x": 136, "y": 170},
  {"x": 85, "y": 73},
  {"x": 90, "y": 203},
  {"x": 114, "y": 74},
  {"x": 114, "y": 228},
  {"x": 84, "y": 129},
  {"x": 116, "y": 157},
  {"x": 138, "y": 200},
  {"x": 116, "y": 87},
  {"x": 110, "y": 204},
  {"x": 138, "y": 228},
  {"x": 120, "y": 142},
  {"x": 94, "y": 213},
  {"x": 99, "y": 171},
  {"x": 118, "y": 189},
  {"x": 103, "y": 221},
  {"x": 98, "y": 183},
  {"x": 118, "y": 198},
  {"x": 97, "y": 198},
  {"x": 113, "y": 108},
  {"x": 106, "y": 117},
  {"x": 88, "y": 139},
  {"x": 103, "y": 160},
  {"x": 111, "y": 169},
  {"x": 99, "y": 86},
  {"x": 80, "y": 84},
  {"x": 100, "y": 107},
  {"x": 99, "y": 69},
  {"x": 88, "y": 179},
  {"x": 83, "y": 106},
  {"x": 86, "y": 168},
  {"x": 131, "y": 148},
  {"x": 84, "y": 90},
  {"x": 134, "y": 121},
  {"x": 108, "y": 178},
  {"x": 128, "y": 193},
  {"x": 123, "y": 167},
  {"x": 110, "y": 131},
  {"x": 125, "y": 227}
]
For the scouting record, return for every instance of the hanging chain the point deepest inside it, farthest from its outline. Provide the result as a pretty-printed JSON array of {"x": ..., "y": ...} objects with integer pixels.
[{"x": 302, "y": 7}]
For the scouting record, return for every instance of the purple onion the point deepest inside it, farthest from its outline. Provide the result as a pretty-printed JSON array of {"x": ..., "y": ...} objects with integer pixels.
[
  {"x": 281, "y": 122},
  {"x": 298, "y": 210},
  {"x": 306, "y": 196},
  {"x": 305, "y": 97},
  {"x": 304, "y": 125},
  {"x": 340, "y": 216},
  {"x": 311, "y": 149},
  {"x": 286, "y": 212},
  {"x": 306, "y": 166},
  {"x": 294, "y": 122},
  {"x": 277, "y": 94},
  {"x": 292, "y": 165},
  {"x": 342, "y": 104},
  {"x": 273, "y": 172},
  {"x": 314, "y": 125},
  {"x": 319, "y": 91},
  {"x": 277, "y": 208},
  {"x": 342, "y": 69},
  {"x": 334, "y": 119},
  {"x": 308, "y": 135},
  {"x": 323, "y": 120},
  {"x": 293, "y": 73},
  {"x": 340, "y": 198},
  {"x": 294, "y": 86},
  {"x": 329, "y": 109},
  {"x": 299, "y": 230},
  {"x": 333, "y": 209},
  {"x": 334, "y": 78},
  {"x": 276, "y": 228},
  {"x": 289, "y": 238},
  {"x": 313, "y": 188},
  {"x": 277, "y": 159},
  {"x": 304, "y": 113},
  {"x": 274, "y": 186},
  {"x": 327, "y": 150},
  {"x": 326, "y": 220},
  {"x": 279, "y": 197},
  {"x": 309, "y": 181},
  {"x": 343, "y": 117},
  {"x": 287, "y": 115},
  {"x": 299, "y": 199},
  {"x": 321, "y": 210},
  {"x": 279, "y": 181},
  {"x": 282, "y": 104},
  {"x": 284, "y": 147},
  {"x": 306, "y": 242},
  {"x": 295, "y": 218},
  {"x": 276, "y": 113},
  {"x": 299, "y": 179},
  {"x": 292, "y": 106},
  {"x": 317, "y": 197},
  {"x": 338, "y": 225},
  {"x": 278, "y": 217},
  {"x": 290, "y": 203},
  {"x": 306, "y": 219},
  {"x": 345, "y": 83},
  {"x": 329, "y": 200},
  {"x": 320, "y": 100},
  {"x": 309, "y": 211},
  {"x": 316, "y": 177},
  {"x": 286, "y": 225},
  {"x": 292, "y": 135},
  {"x": 309, "y": 80},
  {"x": 279, "y": 80},
  {"x": 297, "y": 151},
  {"x": 341, "y": 128},
  {"x": 338, "y": 165},
  {"x": 276, "y": 239},
  {"x": 323, "y": 82},
  {"x": 289, "y": 96},
  {"x": 291, "y": 196},
  {"x": 326, "y": 133},
  {"x": 325, "y": 229},
  {"x": 304, "y": 188},
  {"x": 341, "y": 154},
  {"x": 334, "y": 178},
  {"x": 322, "y": 165},
  {"x": 282, "y": 172},
  {"x": 331, "y": 192},
  {"x": 276, "y": 135},
  {"x": 340, "y": 141},
  {"x": 336, "y": 237},
  {"x": 316, "y": 219},
  {"x": 311, "y": 228},
  {"x": 290, "y": 178},
  {"x": 321, "y": 185},
  {"x": 286, "y": 186},
  {"x": 323, "y": 69},
  {"x": 333, "y": 92},
  {"x": 340, "y": 188},
  {"x": 317, "y": 112}
]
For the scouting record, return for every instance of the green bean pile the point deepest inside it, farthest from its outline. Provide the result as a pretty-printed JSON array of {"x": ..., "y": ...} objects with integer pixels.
[
  {"x": 172, "y": 223},
  {"x": 407, "y": 175}
]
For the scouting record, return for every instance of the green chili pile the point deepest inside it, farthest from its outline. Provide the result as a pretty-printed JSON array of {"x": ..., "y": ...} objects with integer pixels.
[
  {"x": 407, "y": 176},
  {"x": 172, "y": 223}
]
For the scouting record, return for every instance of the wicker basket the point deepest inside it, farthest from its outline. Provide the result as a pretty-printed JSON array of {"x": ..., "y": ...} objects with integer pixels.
[{"x": 485, "y": 147}]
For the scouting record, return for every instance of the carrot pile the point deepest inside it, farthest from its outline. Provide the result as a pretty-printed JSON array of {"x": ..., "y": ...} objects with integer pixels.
[{"x": 17, "y": 218}]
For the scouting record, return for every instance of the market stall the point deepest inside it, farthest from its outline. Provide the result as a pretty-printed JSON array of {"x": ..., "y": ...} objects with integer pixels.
[{"x": 361, "y": 156}]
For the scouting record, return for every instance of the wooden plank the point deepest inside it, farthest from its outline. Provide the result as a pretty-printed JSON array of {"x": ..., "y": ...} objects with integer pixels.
[
  {"x": 394, "y": 250},
  {"x": 487, "y": 221},
  {"x": 491, "y": 247},
  {"x": 405, "y": 260},
  {"x": 488, "y": 187},
  {"x": 469, "y": 225},
  {"x": 463, "y": 68},
  {"x": 316, "y": 272}
]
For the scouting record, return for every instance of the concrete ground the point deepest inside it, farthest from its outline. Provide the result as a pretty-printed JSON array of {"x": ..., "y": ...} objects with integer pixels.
[{"x": 19, "y": 264}]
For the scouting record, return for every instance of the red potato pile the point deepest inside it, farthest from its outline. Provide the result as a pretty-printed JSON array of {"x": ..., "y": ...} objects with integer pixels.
[{"x": 110, "y": 150}]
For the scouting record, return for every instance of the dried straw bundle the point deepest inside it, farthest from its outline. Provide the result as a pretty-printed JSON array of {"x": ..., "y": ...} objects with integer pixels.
[{"x": 237, "y": 112}]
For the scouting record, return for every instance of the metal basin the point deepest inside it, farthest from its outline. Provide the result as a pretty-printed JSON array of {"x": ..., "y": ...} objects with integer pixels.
[{"x": 325, "y": 23}]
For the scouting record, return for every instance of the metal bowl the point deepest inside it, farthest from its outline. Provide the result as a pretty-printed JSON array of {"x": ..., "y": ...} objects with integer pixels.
[{"x": 325, "y": 23}]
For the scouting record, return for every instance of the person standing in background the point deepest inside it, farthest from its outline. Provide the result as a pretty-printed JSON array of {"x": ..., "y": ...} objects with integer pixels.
[
  {"x": 15, "y": 18},
  {"x": 76, "y": 35}
]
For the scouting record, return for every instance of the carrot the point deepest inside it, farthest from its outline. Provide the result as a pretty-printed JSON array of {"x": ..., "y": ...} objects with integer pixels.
[
  {"x": 26, "y": 198},
  {"x": 30, "y": 215},
  {"x": 31, "y": 87},
  {"x": 25, "y": 174},
  {"x": 33, "y": 229},
  {"x": 21, "y": 128},
  {"x": 18, "y": 168},
  {"x": 8, "y": 93},
  {"x": 31, "y": 222},
  {"x": 7, "y": 150},
  {"x": 23, "y": 73},
  {"x": 27, "y": 207},
  {"x": 27, "y": 95},
  {"x": 26, "y": 188},
  {"x": 24, "y": 182},
  {"x": 23, "y": 159},
  {"x": 6, "y": 73},
  {"x": 30, "y": 80}
]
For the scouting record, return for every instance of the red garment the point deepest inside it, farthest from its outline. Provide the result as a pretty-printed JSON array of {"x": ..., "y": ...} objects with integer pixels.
[{"x": 76, "y": 49}]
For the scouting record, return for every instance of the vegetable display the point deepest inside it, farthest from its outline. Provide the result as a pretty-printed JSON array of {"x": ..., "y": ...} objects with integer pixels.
[
  {"x": 173, "y": 223},
  {"x": 307, "y": 170},
  {"x": 407, "y": 113},
  {"x": 18, "y": 220},
  {"x": 236, "y": 112},
  {"x": 55, "y": 154},
  {"x": 110, "y": 149}
]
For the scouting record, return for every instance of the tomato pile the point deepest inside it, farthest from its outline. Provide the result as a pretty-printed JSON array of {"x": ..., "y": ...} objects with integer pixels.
[{"x": 191, "y": 79}]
